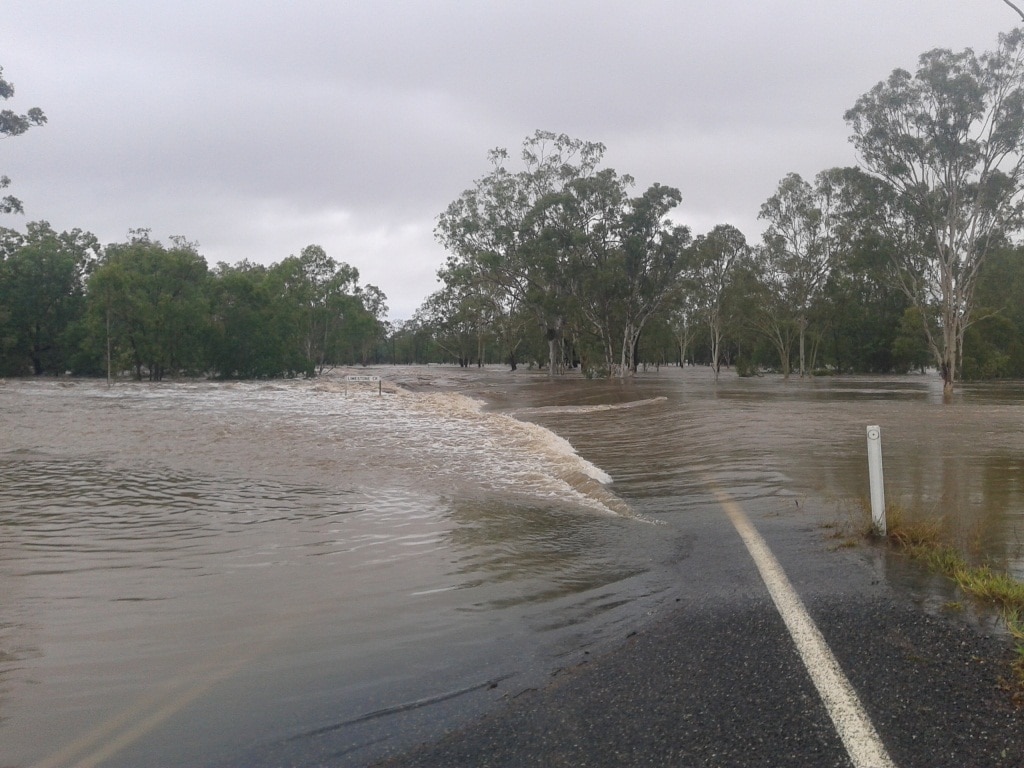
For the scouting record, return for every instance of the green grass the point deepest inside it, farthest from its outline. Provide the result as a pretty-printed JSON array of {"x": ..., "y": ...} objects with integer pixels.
[{"x": 928, "y": 542}]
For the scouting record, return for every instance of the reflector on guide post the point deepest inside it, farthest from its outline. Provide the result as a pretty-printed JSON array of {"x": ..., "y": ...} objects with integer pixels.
[{"x": 875, "y": 477}]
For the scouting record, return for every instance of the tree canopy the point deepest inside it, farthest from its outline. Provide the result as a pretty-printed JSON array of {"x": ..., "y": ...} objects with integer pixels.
[
  {"x": 560, "y": 239},
  {"x": 948, "y": 142},
  {"x": 155, "y": 310},
  {"x": 13, "y": 124}
]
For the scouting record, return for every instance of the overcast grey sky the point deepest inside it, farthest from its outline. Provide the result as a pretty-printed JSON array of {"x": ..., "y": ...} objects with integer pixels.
[{"x": 256, "y": 128}]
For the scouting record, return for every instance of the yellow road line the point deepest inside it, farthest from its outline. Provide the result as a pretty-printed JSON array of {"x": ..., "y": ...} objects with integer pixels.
[{"x": 145, "y": 714}]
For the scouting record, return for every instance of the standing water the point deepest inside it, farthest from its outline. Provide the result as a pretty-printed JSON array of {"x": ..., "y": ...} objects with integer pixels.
[{"x": 226, "y": 574}]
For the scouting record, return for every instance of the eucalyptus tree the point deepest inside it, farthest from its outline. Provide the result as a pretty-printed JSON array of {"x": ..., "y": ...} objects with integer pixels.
[
  {"x": 149, "y": 306},
  {"x": 768, "y": 310},
  {"x": 246, "y": 340},
  {"x": 658, "y": 343},
  {"x": 909, "y": 348},
  {"x": 716, "y": 254},
  {"x": 42, "y": 293},
  {"x": 800, "y": 246},
  {"x": 948, "y": 141},
  {"x": 311, "y": 292},
  {"x": 298, "y": 316},
  {"x": 861, "y": 305},
  {"x": 13, "y": 124},
  {"x": 501, "y": 228},
  {"x": 363, "y": 331},
  {"x": 653, "y": 262},
  {"x": 454, "y": 318},
  {"x": 624, "y": 257},
  {"x": 621, "y": 256},
  {"x": 510, "y": 323},
  {"x": 499, "y": 311},
  {"x": 585, "y": 220},
  {"x": 562, "y": 239},
  {"x": 402, "y": 345},
  {"x": 995, "y": 347},
  {"x": 682, "y": 321}
]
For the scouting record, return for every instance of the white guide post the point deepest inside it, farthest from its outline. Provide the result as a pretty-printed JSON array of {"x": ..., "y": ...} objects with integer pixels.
[{"x": 875, "y": 475}]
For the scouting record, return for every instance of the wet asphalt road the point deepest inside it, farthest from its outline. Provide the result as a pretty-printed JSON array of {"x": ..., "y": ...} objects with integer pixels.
[{"x": 718, "y": 681}]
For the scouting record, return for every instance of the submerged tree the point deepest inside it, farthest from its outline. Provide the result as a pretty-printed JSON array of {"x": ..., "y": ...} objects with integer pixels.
[
  {"x": 800, "y": 246},
  {"x": 454, "y": 317},
  {"x": 502, "y": 228},
  {"x": 149, "y": 307},
  {"x": 717, "y": 253},
  {"x": 561, "y": 239},
  {"x": 948, "y": 142},
  {"x": 469, "y": 298},
  {"x": 246, "y": 339},
  {"x": 652, "y": 262},
  {"x": 321, "y": 313},
  {"x": 42, "y": 297}
]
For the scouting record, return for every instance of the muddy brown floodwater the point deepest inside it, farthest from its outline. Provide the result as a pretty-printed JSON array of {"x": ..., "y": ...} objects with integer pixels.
[{"x": 191, "y": 573}]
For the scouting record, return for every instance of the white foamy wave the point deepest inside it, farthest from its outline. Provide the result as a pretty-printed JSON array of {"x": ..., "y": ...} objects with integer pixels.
[
  {"x": 590, "y": 408},
  {"x": 439, "y": 443},
  {"x": 562, "y": 452},
  {"x": 500, "y": 451}
]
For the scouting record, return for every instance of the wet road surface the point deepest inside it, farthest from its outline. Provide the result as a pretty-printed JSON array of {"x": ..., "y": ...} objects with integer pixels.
[{"x": 718, "y": 682}]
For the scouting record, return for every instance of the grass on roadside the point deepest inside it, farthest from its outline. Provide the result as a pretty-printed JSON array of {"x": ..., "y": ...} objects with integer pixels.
[{"x": 928, "y": 542}]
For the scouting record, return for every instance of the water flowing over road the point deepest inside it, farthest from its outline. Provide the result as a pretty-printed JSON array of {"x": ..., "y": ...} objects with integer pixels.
[{"x": 205, "y": 573}]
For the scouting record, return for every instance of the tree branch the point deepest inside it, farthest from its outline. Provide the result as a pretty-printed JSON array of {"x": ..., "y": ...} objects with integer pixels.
[{"x": 1018, "y": 10}]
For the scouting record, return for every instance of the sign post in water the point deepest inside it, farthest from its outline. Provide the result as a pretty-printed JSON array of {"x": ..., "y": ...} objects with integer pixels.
[{"x": 362, "y": 379}]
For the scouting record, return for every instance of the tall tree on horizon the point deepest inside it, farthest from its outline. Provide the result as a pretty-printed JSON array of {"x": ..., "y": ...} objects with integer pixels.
[
  {"x": 948, "y": 141},
  {"x": 717, "y": 254},
  {"x": 799, "y": 246},
  {"x": 505, "y": 227},
  {"x": 561, "y": 238}
]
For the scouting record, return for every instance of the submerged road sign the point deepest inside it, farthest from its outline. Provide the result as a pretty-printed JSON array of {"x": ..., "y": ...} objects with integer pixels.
[{"x": 356, "y": 378}]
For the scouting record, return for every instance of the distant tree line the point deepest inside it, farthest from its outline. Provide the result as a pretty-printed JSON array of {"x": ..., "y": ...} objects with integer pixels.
[
  {"x": 906, "y": 262},
  {"x": 149, "y": 310},
  {"x": 68, "y": 305},
  {"x": 744, "y": 306}
]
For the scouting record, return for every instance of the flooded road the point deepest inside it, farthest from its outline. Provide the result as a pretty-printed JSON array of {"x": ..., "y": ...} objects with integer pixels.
[{"x": 199, "y": 573}]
